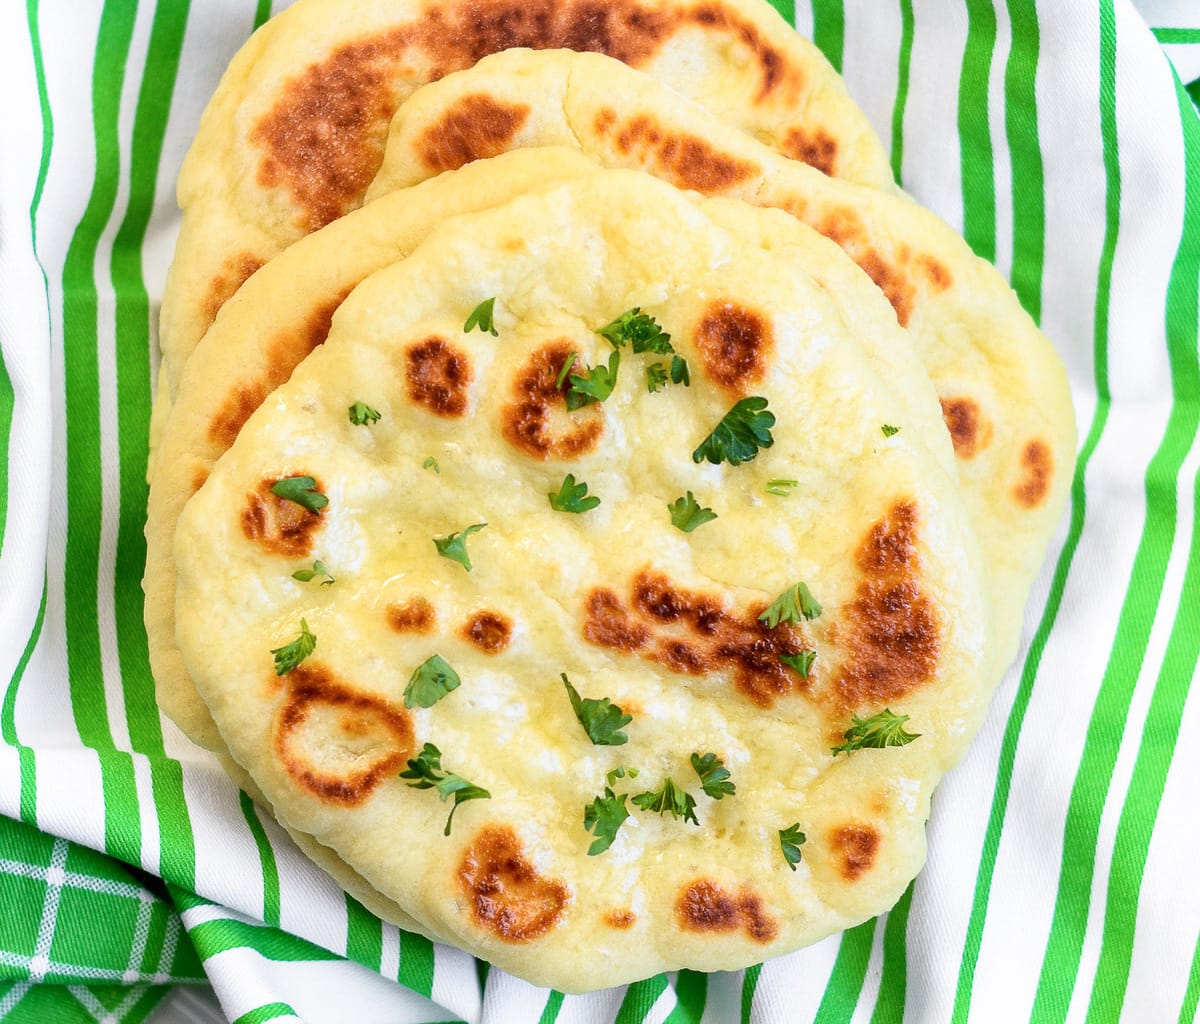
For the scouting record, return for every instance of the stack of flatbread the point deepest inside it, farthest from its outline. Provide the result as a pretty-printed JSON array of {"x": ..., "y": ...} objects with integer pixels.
[{"x": 591, "y": 504}]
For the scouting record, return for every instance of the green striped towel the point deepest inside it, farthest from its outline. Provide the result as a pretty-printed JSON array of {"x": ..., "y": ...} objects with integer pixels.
[{"x": 1061, "y": 876}]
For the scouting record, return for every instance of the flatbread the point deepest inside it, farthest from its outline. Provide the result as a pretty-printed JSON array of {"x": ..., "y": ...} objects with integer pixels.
[
  {"x": 295, "y": 131},
  {"x": 473, "y": 429},
  {"x": 1003, "y": 389}
]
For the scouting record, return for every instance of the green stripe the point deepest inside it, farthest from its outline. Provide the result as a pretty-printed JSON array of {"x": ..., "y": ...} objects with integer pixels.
[
  {"x": 1177, "y": 35},
  {"x": 829, "y": 30},
  {"x": 786, "y": 9},
  {"x": 639, "y": 998},
  {"x": 1191, "y": 996},
  {"x": 749, "y": 986},
  {"x": 364, "y": 934},
  {"x": 902, "y": 78},
  {"x": 1161, "y": 729},
  {"x": 1111, "y": 710},
  {"x": 848, "y": 974},
  {"x": 266, "y": 858},
  {"x": 122, "y": 825},
  {"x": 416, "y": 963},
  {"x": 1016, "y": 718},
  {"x": 1028, "y": 171},
  {"x": 691, "y": 994},
  {"x": 266, "y": 1012},
  {"x": 553, "y": 1005},
  {"x": 893, "y": 982},
  {"x": 974, "y": 131},
  {"x": 262, "y": 12},
  {"x": 8, "y": 721},
  {"x": 222, "y": 935}
]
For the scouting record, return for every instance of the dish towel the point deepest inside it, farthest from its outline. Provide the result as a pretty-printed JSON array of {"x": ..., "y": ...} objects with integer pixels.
[{"x": 1059, "y": 136}]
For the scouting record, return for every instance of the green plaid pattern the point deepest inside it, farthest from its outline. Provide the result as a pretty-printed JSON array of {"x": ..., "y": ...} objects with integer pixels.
[{"x": 1053, "y": 133}]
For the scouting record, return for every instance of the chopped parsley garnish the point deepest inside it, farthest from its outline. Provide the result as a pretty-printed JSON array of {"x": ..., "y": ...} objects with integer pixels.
[
  {"x": 714, "y": 776},
  {"x": 790, "y": 841},
  {"x": 601, "y": 719},
  {"x": 572, "y": 497},
  {"x": 620, "y": 772},
  {"x": 639, "y": 330},
  {"x": 290, "y": 655},
  {"x": 656, "y": 377},
  {"x": 426, "y": 768},
  {"x": 566, "y": 368},
  {"x": 430, "y": 682},
  {"x": 742, "y": 432},
  {"x": 882, "y": 730},
  {"x": 595, "y": 385},
  {"x": 889, "y": 430},
  {"x": 318, "y": 569},
  {"x": 604, "y": 817},
  {"x": 782, "y": 488},
  {"x": 361, "y": 414},
  {"x": 670, "y": 799},
  {"x": 431, "y": 463},
  {"x": 793, "y": 604},
  {"x": 481, "y": 317},
  {"x": 801, "y": 662},
  {"x": 454, "y": 547},
  {"x": 302, "y": 490},
  {"x": 679, "y": 371},
  {"x": 687, "y": 513}
]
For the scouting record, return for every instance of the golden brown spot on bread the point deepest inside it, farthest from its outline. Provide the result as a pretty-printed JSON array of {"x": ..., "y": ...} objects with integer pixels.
[
  {"x": 1037, "y": 466},
  {"x": 817, "y": 148},
  {"x": 281, "y": 526},
  {"x": 199, "y": 479},
  {"x": 489, "y": 631},
  {"x": 937, "y": 272},
  {"x": 605, "y": 118},
  {"x": 475, "y": 128},
  {"x": 508, "y": 896},
  {"x": 735, "y": 344},
  {"x": 621, "y": 919},
  {"x": 684, "y": 160},
  {"x": 692, "y": 633},
  {"x": 322, "y": 141},
  {"x": 416, "y": 615},
  {"x": 844, "y": 226},
  {"x": 537, "y": 421},
  {"x": 890, "y": 631},
  {"x": 336, "y": 742},
  {"x": 703, "y": 906},
  {"x": 969, "y": 431},
  {"x": 222, "y": 286},
  {"x": 439, "y": 376},
  {"x": 281, "y": 356},
  {"x": 855, "y": 847}
]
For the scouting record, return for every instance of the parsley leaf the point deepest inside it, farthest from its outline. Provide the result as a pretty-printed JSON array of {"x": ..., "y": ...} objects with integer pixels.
[
  {"x": 430, "y": 682},
  {"x": 620, "y": 772},
  {"x": 670, "y": 798},
  {"x": 656, "y": 377},
  {"x": 572, "y": 497},
  {"x": 361, "y": 413},
  {"x": 882, "y": 730},
  {"x": 290, "y": 655},
  {"x": 318, "y": 569},
  {"x": 801, "y": 662},
  {"x": 454, "y": 547},
  {"x": 782, "y": 488},
  {"x": 426, "y": 768},
  {"x": 679, "y": 371},
  {"x": 566, "y": 368},
  {"x": 714, "y": 776},
  {"x": 604, "y": 817},
  {"x": 888, "y": 430},
  {"x": 741, "y": 433},
  {"x": 790, "y": 606},
  {"x": 481, "y": 317},
  {"x": 687, "y": 514},
  {"x": 640, "y": 330},
  {"x": 431, "y": 463},
  {"x": 790, "y": 841},
  {"x": 302, "y": 490},
  {"x": 601, "y": 719},
  {"x": 595, "y": 385}
]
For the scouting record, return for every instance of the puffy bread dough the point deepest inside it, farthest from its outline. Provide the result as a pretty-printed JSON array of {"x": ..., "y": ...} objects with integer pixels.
[
  {"x": 660, "y": 621},
  {"x": 295, "y": 130},
  {"x": 1003, "y": 390}
]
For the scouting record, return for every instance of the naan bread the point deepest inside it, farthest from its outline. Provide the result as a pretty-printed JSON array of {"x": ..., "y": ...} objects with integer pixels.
[
  {"x": 295, "y": 131},
  {"x": 665, "y": 623},
  {"x": 1003, "y": 389}
]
